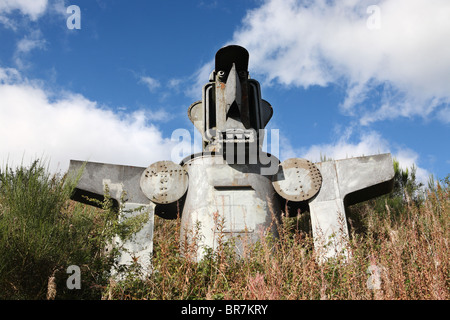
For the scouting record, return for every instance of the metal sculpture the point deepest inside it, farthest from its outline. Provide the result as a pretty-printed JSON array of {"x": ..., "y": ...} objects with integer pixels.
[{"x": 232, "y": 187}]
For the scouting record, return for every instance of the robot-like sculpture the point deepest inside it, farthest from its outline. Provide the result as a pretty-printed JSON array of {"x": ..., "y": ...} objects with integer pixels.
[{"x": 232, "y": 187}]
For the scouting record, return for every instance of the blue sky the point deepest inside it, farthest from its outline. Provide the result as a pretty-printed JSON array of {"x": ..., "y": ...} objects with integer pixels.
[{"x": 345, "y": 78}]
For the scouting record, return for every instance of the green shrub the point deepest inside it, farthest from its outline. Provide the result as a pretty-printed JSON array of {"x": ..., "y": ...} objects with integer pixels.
[
  {"x": 399, "y": 250},
  {"x": 42, "y": 232}
]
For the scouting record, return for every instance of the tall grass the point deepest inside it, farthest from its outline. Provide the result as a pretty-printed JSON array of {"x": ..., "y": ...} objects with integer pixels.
[
  {"x": 399, "y": 250},
  {"x": 401, "y": 256},
  {"x": 42, "y": 232}
]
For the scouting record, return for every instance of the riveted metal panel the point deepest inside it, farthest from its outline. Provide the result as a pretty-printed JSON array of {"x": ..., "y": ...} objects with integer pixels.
[
  {"x": 234, "y": 199},
  {"x": 164, "y": 182},
  {"x": 297, "y": 179},
  {"x": 236, "y": 207}
]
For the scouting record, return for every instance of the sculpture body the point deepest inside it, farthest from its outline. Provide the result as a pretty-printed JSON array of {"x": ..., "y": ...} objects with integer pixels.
[
  {"x": 229, "y": 200},
  {"x": 233, "y": 187}
]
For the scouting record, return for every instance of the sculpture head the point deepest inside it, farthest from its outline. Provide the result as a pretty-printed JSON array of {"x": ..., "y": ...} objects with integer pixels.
[{"x": 231, "y": 111}]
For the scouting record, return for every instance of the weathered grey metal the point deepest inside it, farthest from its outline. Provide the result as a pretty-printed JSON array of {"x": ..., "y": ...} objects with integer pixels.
[
  {"x": 297, "y": 180},
  {"x": 232, "y": 186},
  {"x": 231, "y": 110},
  {"x": 122, "y": 184},
  {"x": 227, "y": 200},
  {"x": 139, "y": 248},
  {"x": 164, "y": 182},
  {"x": 232, "y": 115},
  {"x": 231, "y": 180},
  {"x": 118, "y": 178},
  {"x": 345, "y": 182}
]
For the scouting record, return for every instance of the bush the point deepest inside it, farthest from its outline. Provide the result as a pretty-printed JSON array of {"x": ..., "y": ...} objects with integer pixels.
[
  {"x": 42, "y": 232},
  {"x": 399, "y": 250}
]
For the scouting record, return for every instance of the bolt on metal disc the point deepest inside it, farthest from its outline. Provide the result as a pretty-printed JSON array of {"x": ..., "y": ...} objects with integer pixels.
[
  {"x": 164, "y": 182},
  {"x": 297, "y": 180}
]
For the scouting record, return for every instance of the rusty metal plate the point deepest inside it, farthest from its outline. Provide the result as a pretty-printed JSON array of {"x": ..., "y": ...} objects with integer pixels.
[
  {"x": 164, "y": 182},
  {"x": 297, "y": 180}
]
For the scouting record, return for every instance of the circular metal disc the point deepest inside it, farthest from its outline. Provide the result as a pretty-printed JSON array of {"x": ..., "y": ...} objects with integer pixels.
[
  {"x": 297, "y": 180},
  {"x": 164, "y": 182}
]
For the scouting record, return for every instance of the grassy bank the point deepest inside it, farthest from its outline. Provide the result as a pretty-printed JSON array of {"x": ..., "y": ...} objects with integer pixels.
[
  {"x": 399, "y": 248},
  {"x": 395, "y": 258}
]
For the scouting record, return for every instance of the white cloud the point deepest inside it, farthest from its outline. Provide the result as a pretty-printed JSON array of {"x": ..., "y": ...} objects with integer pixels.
[
  {"x": 25, "y": 45},
  {"x": 159, "y": 115},
  {"x": 151, "y": 83},
  {"x": 304, "y": 43},
  {"x": 29, "y": 9},
  {"x": 174, "y": 83},
  {"x": 9, "y": 75},
  {"x": 34, "y": 9},
  {"x": 32, "y": 41},
  {"x": 444, "y": 115},
  {"x": 34, "y": 123},
  {"x": 59, "y": 7},
  {"x": 8, "y": 23},
  {"x": 199, "y": 79},
  {"x": 366, "y": 144},
  {"x": 408, "y": 158}
]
